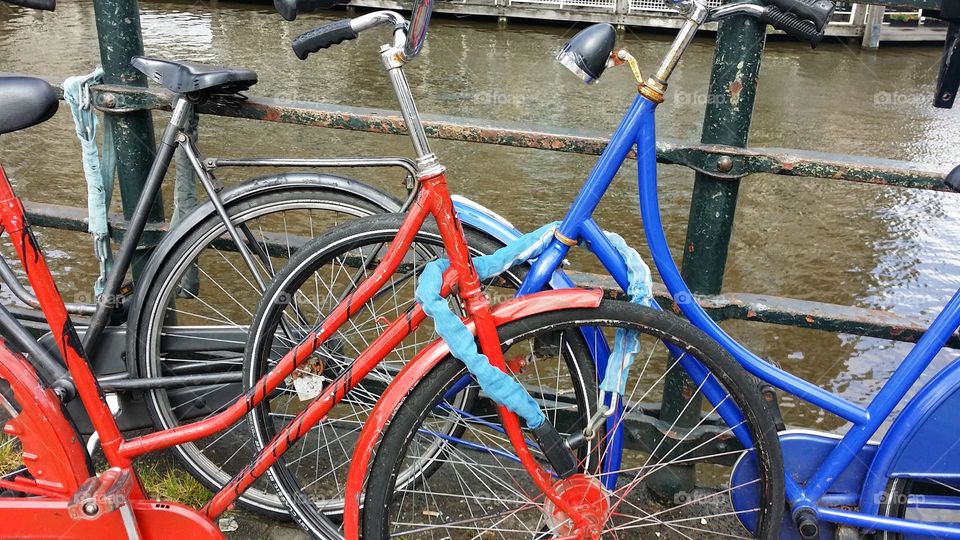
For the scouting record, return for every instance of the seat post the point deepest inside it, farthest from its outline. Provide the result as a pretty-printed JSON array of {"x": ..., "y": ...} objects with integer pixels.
[
  {"x": 110, "y": 299},
  {"x": 181, "y": 113}
]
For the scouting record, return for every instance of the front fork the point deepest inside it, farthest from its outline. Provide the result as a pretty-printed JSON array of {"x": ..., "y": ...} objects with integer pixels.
[
  {"x": 468, "y": 282},
  {"x": 477, "y": 307}
]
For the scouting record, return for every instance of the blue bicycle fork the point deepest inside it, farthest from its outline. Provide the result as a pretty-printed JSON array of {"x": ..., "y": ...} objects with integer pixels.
[{"x": 578, "y": 225}]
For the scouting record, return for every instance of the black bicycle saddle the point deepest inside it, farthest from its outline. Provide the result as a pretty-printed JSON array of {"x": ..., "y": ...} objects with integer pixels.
[
  {"x": 25, "y": 101},
  {"x": 189, "y": 77}
]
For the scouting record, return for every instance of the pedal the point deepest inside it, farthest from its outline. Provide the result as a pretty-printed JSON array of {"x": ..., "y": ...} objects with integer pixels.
[
  {"x": 126, "y": 290},
  {"x": 102, "y": 494},
  {"x": 121, "y": 304}
]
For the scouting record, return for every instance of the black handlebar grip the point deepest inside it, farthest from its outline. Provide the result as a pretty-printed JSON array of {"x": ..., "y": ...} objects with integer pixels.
[
  {"x": 792, "y": 25},
  {"x": 288, "y": 9},
  {"x": 953, "y": 178},
  {"x": 45, "y": 5},
  {"x": 323, "y": 37},
  {"x": 819, "y": 12}
]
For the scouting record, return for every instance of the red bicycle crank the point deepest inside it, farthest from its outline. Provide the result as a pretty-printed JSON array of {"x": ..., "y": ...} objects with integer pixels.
[{"x": 588, "y": 497}]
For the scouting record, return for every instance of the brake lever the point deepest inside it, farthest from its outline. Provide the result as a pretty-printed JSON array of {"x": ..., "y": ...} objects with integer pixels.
[{"x": 817, "y": 12}]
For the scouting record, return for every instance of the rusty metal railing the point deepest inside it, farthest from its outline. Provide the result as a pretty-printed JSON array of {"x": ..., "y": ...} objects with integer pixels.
[
  {"x": 720, "y": 160},
  {"x": 725, "y": 162}
]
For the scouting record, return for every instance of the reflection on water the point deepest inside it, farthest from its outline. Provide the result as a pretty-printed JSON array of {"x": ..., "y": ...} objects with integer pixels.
[{"x": 811, "y": 239}]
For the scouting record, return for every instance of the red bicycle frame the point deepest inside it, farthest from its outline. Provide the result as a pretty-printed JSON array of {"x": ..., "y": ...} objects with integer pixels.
[
  {"x": 432, "y": 198},
  {"x": 70, "y": 501}
]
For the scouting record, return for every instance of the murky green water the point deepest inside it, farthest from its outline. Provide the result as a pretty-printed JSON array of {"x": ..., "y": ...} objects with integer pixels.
[{"x": 874, "y": 247}]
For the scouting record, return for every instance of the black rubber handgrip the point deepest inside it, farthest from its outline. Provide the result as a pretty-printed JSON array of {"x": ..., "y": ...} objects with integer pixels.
[
  {"x": 819, "y": 12},
  {"x": 953, "y": 178},
  {"x": 46, "y": 5},
  {"x": 289, "y": 9},
  {"x": 555, "y": 449},
  {"x": 792, "y": 25},
  {"x": 323, "y": 37}
]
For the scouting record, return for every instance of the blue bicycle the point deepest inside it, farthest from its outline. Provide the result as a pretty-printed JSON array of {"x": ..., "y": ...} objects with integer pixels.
[{"x": 647, "y": 465}]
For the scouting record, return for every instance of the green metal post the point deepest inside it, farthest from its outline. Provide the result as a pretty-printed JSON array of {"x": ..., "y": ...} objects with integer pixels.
[
  {"x": 118, "y": 32},
  {"x": 733, "y": 85}
]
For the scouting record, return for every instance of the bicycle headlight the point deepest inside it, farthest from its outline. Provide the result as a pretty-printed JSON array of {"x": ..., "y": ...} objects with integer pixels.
[{"x": 587, "y": 53}]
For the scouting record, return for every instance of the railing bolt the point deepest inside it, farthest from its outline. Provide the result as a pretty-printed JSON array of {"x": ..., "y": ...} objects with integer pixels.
[
  {"x": 724, "y": 164},
  {"x": 108, "y": 100},
  {"x": 90, "y": 508}
]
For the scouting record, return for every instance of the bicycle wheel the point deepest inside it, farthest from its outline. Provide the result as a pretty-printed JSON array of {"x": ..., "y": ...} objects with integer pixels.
[
  {"x": 311, "y": 475},
  {"x": 479, "y": 490},
  {"x": 195, "y": 323},
  {"x": 928, "y": 500}
]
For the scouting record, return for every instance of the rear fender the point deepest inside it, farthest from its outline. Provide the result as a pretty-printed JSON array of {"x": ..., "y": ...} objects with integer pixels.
[
  {"x": 921, "y": 442},
  {"x": 426, "y": 360},
  {"x": 484, "y": 219}
]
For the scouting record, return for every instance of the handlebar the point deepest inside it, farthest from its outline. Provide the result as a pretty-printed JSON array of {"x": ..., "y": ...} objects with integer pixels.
[
  {"x": 817, "y": 12},
  {"x": 792, "y": 25},
  {"x": 323, "y": 37},
  {"x": 45, "y": 5},
  {"x": 805, "y": 20},
  {"x": 408, "y": 36},
  {"x": 346, "y": 29}
]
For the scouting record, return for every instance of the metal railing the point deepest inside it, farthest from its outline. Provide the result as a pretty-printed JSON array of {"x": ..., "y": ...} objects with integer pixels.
[
  {"x": 658, "y": 6},
  {"x": 719, "y": 160}
]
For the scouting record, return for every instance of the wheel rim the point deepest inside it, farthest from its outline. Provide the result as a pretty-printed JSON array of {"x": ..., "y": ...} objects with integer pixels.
[
  {"x": 311, "y": 469},
  {"x": 507, "y": 504},
  {"x": 217, "y": 458},
  {"x": 927, "y": 500}
]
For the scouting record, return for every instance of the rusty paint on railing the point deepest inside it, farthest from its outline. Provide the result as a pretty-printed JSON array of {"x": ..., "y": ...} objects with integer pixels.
[{"x": 700, "y": 157}]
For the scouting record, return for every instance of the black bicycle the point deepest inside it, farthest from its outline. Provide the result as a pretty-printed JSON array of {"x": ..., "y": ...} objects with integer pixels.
[{"x": 169, "y": 349}]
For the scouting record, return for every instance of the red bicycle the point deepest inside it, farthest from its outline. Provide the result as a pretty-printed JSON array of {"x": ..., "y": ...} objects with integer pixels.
[{"x": 54, "y": 491}]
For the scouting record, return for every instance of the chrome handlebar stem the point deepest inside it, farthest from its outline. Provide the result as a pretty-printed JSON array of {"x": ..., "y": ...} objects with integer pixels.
[
  {"x": 696, "y": 13},
  {"x": 382, "y": 18},
  {"x": 393, "y": 57}
]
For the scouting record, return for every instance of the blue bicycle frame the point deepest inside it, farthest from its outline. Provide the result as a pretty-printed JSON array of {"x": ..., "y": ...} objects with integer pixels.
[{"x": 637, "y": 128}]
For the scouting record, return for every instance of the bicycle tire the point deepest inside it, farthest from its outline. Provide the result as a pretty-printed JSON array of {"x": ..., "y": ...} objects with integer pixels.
[
  {"x": 312, "y": 507},
  {"x": 166, "y": 408},
  {"x": 386, "y": 501}
]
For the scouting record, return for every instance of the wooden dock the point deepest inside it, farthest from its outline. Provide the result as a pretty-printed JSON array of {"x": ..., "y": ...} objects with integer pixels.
[{"x": 850, "y": 20}]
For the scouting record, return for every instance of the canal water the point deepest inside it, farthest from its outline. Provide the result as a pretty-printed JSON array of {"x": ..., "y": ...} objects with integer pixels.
[{"x": 875, "y": 247}]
